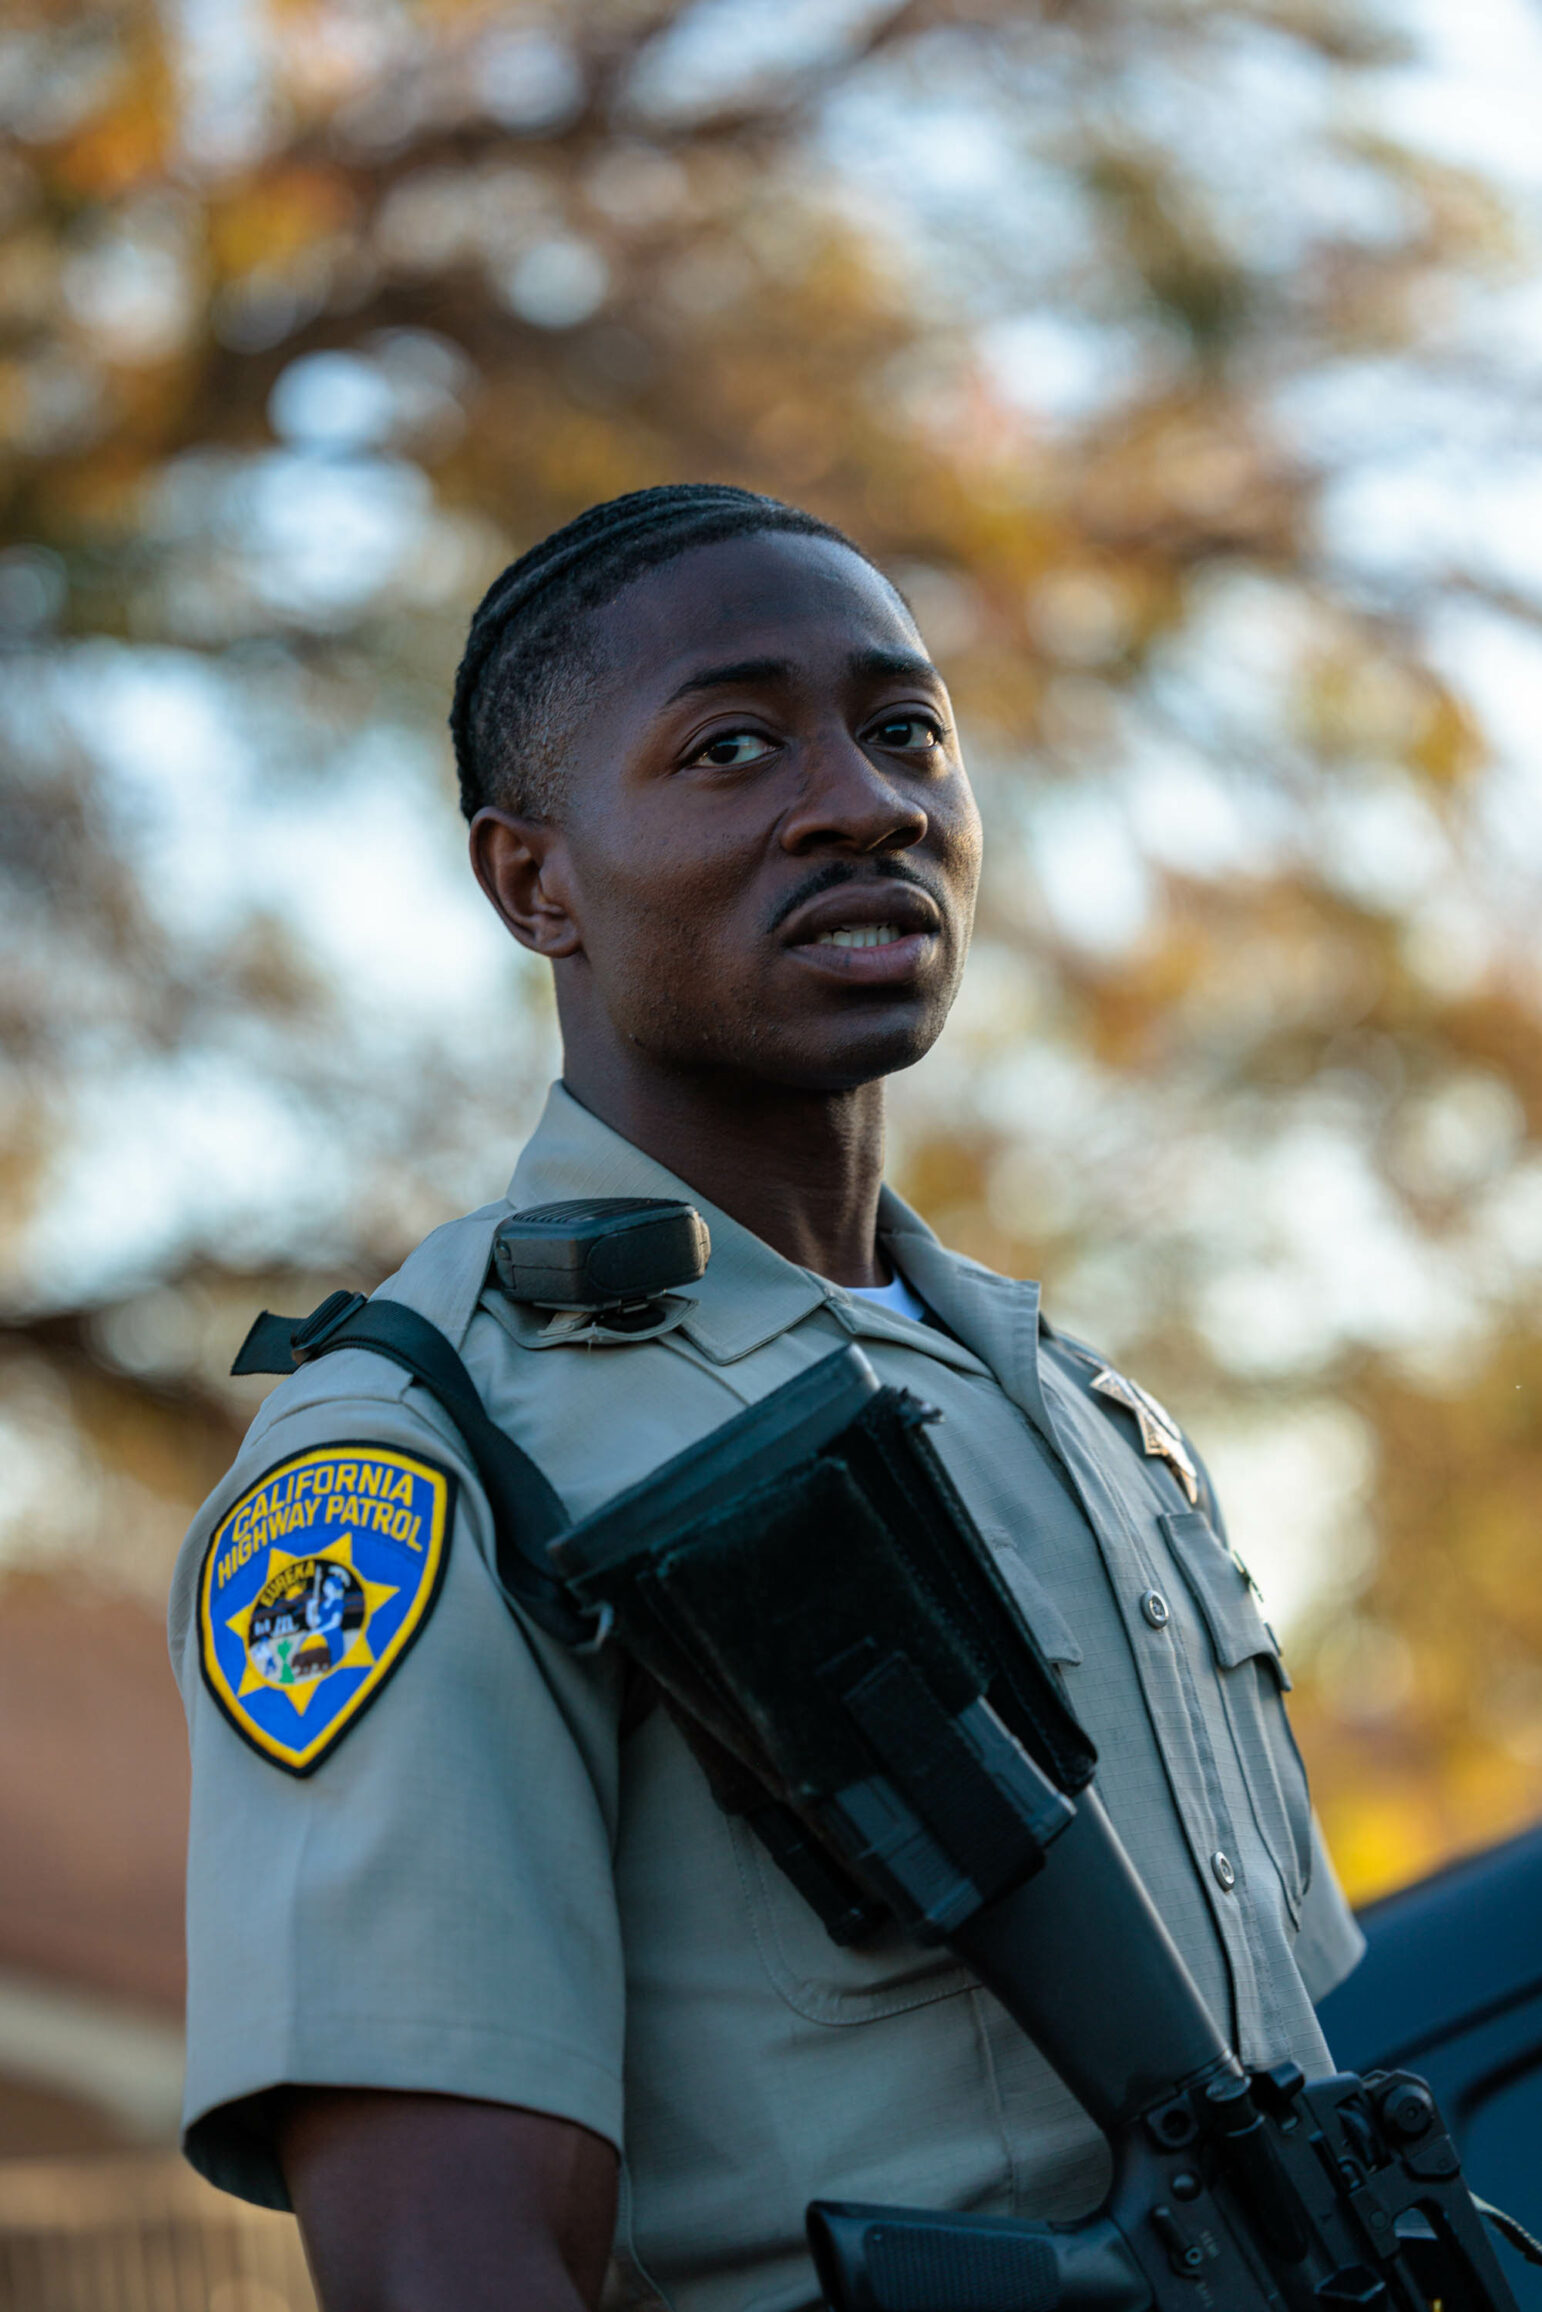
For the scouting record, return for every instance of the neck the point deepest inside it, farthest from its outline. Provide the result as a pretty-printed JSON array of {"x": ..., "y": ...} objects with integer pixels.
[{"x": 801, "y": 1170}]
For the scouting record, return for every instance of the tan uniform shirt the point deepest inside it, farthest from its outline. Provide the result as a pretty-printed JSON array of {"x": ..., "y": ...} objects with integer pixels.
[{"x": 486, "y": 1890}]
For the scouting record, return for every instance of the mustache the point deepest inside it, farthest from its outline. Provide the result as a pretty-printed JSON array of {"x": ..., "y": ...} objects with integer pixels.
[{"x": 838, "y": 871}]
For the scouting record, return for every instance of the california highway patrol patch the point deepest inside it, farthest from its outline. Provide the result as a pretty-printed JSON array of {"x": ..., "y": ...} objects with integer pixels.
[{"x": 314, "y": 1587}]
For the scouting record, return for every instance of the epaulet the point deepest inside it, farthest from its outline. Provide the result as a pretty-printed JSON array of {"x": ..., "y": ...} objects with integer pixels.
[
  {"x": 527, "y": 1512},
  {"x": 442, "y": 1278}
]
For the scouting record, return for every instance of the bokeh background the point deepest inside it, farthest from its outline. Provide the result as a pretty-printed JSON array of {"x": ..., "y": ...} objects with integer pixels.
[{"x": 1181, "y": 360}]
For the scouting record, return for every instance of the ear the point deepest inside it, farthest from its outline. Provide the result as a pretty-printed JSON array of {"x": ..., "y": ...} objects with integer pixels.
[{"x": 523, "y": 866}]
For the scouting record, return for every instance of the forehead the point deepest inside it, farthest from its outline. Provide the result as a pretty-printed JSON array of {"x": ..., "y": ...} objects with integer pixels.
[{"x": 773, "y": 594}]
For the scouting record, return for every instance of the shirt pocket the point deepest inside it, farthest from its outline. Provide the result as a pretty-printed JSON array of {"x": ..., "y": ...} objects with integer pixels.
[
  {"x": 1058, "y": 1642},
  {"x": 1254, "y": 1682},
  {"x": 826, "y": 1982}
]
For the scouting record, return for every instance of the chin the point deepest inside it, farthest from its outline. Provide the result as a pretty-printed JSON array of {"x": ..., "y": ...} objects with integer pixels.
[
  {"x": 843, "y": 1064},
  {"x": 820, "y": 1049}
]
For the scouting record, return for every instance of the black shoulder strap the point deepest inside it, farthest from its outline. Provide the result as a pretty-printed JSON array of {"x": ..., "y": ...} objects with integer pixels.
[{"x": 527, "y": 1512}]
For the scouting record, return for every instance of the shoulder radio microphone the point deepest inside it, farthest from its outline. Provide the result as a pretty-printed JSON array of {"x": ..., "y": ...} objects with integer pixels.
[{"x": 600, "y": 1253}]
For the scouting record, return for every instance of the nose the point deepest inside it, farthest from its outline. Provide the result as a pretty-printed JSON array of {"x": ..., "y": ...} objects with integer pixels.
[{"x": 850, "y": 803}]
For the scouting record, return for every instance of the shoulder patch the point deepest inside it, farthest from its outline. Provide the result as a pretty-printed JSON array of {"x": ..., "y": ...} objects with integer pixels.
[{"x": 314, "y": 1586}]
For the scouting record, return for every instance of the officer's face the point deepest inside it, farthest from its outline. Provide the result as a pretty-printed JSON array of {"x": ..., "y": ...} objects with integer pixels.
[{"x": 769, "y": 853}]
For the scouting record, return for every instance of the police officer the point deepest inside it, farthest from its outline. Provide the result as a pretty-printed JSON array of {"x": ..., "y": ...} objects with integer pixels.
[{"x": 481, "y": 1981}]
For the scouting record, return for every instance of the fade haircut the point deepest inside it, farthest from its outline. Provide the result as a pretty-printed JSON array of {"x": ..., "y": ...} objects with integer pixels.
[{"x": 530, "y": 661}]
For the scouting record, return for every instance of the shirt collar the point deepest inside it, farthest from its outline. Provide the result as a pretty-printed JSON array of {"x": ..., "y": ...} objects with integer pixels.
[
  {"x": 749, "y": 1293},
  {"x": 995, "y": 1316}
]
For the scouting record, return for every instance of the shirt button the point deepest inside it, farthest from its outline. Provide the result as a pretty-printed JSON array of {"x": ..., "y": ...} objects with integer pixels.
[
  {"x": 1156, "y": 1609},
  {"x": 1225, "y": 1876}
]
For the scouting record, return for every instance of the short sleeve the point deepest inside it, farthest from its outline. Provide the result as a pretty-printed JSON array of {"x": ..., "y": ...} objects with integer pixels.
[
  {"x": 1330, "y": 1945},
  {"x": 432, "y": 1908}
]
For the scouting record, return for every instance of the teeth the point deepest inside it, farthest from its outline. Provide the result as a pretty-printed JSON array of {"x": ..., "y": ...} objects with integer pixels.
[{"x": 861, "y": 935}]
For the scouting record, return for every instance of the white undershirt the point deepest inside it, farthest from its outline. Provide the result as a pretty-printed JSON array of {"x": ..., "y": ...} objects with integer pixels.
[{"x": 896, "y": 1295}]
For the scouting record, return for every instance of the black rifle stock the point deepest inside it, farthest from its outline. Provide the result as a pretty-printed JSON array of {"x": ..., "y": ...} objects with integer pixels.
[
  {"x": 1230, "y": 2192},
  {"x": 812, "y": 1597}
]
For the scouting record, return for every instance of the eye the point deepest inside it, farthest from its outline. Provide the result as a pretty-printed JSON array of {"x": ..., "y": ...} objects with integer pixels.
[
  {"x": 735, "y": 750},
  {"x": 913, "y": 734}
]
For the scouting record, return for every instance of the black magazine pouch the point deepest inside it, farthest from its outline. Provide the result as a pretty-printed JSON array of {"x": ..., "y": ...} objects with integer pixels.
[{"x": 809, "y": 1591}]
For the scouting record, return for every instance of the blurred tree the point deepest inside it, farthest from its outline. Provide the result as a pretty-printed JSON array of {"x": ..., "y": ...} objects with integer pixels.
[{"x": 1188, "y": 402}]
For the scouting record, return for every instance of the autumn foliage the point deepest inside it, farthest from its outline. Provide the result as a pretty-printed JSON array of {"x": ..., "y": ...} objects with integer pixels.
[{"x": 1104, "y": 328}]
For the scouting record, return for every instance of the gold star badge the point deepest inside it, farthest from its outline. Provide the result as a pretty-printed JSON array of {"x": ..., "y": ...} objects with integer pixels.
[
  {"x": 295, "y": 1662},
  {"x": 1159, "y": 1432}
]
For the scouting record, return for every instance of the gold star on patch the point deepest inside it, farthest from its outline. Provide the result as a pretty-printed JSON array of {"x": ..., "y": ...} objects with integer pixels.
[
  {"x": 300, "y": 1688},
  {"x": 1159, "y": 1432}
]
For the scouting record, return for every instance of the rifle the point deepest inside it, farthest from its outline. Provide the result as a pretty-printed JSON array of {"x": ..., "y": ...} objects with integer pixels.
[
  {"x": 810, "y": 1595},
  {"x": 1231, "y": 2190}
]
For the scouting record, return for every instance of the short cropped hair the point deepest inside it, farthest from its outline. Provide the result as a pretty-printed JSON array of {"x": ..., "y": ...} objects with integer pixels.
[{"x": 529, "y": 663}]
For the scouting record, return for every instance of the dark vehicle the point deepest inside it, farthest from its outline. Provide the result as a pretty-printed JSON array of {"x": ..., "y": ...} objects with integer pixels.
[{"x": 1451, "y": 1987}]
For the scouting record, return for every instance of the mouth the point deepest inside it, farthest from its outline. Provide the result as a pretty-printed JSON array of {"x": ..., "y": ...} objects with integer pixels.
[{"x": 866, "y": 934}]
